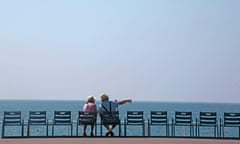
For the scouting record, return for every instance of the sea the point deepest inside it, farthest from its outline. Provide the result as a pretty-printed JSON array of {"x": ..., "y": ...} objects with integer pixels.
[{"x": 74, "y": 106}]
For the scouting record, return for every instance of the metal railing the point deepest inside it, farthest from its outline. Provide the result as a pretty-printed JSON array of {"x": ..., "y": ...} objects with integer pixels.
[{"x": 66, "y": 131}]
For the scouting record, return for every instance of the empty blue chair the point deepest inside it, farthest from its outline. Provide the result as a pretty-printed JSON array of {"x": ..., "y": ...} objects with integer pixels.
[
  {"x": 158, "y": 118},
  {"x": 62, "y": 118},
  {"x": 183, "y": 119},
  {"x": 231, "y": 119},
  {"x": 37, "y": 118},
  {"x": 12, "y": 119},
  {"x": 134, "y": 118},
  {"x": 207, "y": 119}
]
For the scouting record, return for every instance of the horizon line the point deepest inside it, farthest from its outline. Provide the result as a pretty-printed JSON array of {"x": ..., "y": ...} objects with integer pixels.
[{"x": 133, "y": 101}]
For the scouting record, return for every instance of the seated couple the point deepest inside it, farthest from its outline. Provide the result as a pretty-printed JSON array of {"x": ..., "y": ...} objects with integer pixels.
[{"x": 105, "y": 106}]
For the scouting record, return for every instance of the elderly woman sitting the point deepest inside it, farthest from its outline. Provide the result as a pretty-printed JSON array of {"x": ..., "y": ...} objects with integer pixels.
[{"x": 90, "y": 106}]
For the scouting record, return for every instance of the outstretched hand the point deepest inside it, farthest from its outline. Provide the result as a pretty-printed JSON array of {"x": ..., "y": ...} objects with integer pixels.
[
  {"x": 125, "y": 101},
  {"x": 130, "y": 100}
]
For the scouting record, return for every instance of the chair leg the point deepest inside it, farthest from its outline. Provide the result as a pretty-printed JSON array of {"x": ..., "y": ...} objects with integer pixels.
[
  {"x": 198, "y": 131},
  {"x": 22, "y": 130},
  {"x": 95, "y": 126},
  {"x": 215, "y": 129},
  {"x": 193, "y": 134},
  {"x": 238, "y": 132},
  {"x": 223, "y": 131},
  {"x": 28, "y": 130},
  {"x": 220, "y": 131},
  {"x": 47, "y": 129},
  {"x": 125, "y": 129},
  {"x": 52, "y": 130},
  {"x": 167, "y": 130},
  {"x": 3, "y": 129},
  {"x": 190, "y": 130},
  {"x": 143, "y": 134},
  {"x": 119, "y": 129},
  {"x": 173, "y": 130},
  {"x": 149, "y": 130},
  {"x": 101, "y": 129},
  {"x": 77, "y": 130}
]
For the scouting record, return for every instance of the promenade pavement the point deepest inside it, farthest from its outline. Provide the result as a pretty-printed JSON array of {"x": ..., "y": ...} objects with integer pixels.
[{"x": 117, "y": 141}]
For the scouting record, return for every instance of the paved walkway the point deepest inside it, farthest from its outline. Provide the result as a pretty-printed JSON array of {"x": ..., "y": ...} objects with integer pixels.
[{"x": 116, "y": 141}]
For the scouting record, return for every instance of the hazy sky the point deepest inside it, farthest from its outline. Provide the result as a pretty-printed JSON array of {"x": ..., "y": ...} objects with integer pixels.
[{"x": 155, "y": 50}]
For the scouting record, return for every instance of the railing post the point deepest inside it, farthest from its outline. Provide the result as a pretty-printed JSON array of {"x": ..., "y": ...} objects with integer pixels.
[
  {"x": 145, "y": 128},
  {"x": 149, "y": 129},
  {"x": 22, "y": 127}
]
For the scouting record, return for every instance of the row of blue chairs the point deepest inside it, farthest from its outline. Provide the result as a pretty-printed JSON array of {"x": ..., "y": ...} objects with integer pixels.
[{"x": 157, "y": 118}]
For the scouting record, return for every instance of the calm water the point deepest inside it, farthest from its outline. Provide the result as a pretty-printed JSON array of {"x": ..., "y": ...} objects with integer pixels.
[{"x": 75, "y": 106}]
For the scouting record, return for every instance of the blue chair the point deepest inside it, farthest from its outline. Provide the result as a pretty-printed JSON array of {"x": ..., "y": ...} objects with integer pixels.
[
  {"x": 111, "y": 118},
  {"x": 85, "y": 118},
  {"x": 183, "y": 119},
  {"x": 207, "y": 119},
  {"x": 37, "y": 118},
  {"x": 134, "y": 118},
  {"x": 158, "y": 118},
  {"x": 12, "y": 119},
  {"x": 62, "y": 118},
  {"x": 231, "y": 119}
]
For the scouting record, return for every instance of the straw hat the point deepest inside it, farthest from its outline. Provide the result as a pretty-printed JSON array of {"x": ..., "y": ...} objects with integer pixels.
[{"x": 104, "y": 97}]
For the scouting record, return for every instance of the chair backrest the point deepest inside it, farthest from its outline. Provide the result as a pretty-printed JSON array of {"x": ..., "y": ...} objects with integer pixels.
[
  {"x": 37, "y": 118},
  {"x": 86, "y": 117},
  {"x": 135, "y": 117},
  {"x": 158, "y": 117},
  {"x": 62, "y": 117},
  {"x": 12, "y": 118},
  {"x": 183, "y": 118},
  {"x": 110, "y": 117},
  {"x": 208, "y": 118},
  {"x": 231, "y": 119}
]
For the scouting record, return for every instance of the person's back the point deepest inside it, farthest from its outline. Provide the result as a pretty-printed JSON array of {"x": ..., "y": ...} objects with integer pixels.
[
  {"x": 89, "y": 107},
  {"x": 108, "y": 106}
]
